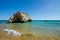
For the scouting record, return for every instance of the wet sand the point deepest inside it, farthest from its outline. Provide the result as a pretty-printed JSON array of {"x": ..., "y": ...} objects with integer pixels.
[{"x": 27, "y": 36}]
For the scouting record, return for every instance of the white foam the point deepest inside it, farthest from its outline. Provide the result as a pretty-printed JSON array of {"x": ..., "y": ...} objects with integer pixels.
[{"x": 12, "y": 32}]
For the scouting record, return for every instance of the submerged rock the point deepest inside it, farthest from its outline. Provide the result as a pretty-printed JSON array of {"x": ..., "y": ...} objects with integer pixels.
[
  {"x": 19, "y": 17},
  {"x": 45, "y": 20}
]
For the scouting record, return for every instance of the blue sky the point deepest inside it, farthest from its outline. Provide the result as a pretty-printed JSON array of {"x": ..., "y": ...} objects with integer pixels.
[{"x": 37, "y": 9}]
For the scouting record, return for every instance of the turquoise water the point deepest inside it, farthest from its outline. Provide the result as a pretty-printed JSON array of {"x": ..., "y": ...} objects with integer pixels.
[{"x": 39, "y": 27}]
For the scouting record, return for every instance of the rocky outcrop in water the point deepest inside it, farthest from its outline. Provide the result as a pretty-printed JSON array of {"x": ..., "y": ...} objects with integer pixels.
[{"x": 19, "y": 17}]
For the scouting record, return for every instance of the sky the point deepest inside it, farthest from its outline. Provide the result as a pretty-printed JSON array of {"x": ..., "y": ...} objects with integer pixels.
[{"x": 37, "y": 9}]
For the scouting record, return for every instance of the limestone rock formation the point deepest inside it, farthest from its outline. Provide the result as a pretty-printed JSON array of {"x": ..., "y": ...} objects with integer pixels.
[{"x": 19, "y": 17}]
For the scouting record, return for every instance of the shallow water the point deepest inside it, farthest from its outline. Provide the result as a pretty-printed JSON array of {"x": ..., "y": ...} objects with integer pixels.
[{"x": 38, "y": 27}]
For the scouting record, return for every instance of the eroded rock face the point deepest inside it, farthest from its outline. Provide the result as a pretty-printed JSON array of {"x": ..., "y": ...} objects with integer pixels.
[{"x": 19, "y": 17}]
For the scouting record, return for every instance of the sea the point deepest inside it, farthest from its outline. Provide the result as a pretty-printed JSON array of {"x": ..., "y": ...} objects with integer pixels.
[{"x": 38, "y": 27}]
